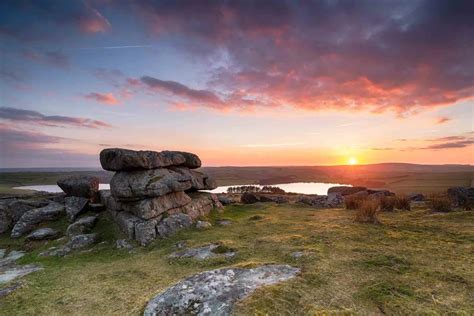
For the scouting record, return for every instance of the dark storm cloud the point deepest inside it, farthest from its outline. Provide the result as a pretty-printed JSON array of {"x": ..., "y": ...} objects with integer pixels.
[{"x": 28, "y": 116}]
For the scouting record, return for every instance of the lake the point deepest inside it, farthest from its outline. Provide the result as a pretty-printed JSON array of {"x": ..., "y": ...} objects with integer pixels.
[{"x": 296, "y": 187}]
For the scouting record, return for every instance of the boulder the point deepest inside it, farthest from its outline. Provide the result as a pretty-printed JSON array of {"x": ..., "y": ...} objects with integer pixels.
[
  {"x": 82, "y": 241},
  {"x": 416, "y": 197},
  {"x": 228, "y": 199},
  {"x": 109, "y": 201},
  {"x": 191, "y": 160},
  {"x": 96, "y": 207},
  {"x": 346, "y": 190},
  {"x": 5, "y": 219},
  {"x": 202, "y": 203},
  {"x": 123, "y": 244},
  {"x": 334, "y": 200},
  {"x": 81, "y": 226},
  {"x": 74, "y": 206},
  {"x": 203, "y": 225},
  {"x": 145, "y": 231},
  {"x": 43, "y": 233},
  {"x": 137, "y": 185},
  {"x": 215, "y": 292},
  {"x": 199, "y": 180},
  {"x": 126, "y": 222},
  {"x": 151, "y": 208},
  {"x": 204, "y": 252},
  {"x": 249, "y": 198},
  {"x": 461, "y": 197},
  {"x": 172, "y": 224},
  {"x": 380, "y": 193},
  {"x": 31, "y": 218},
  {"x": 18, "y": 207},
  {"x": 118, "y": 159},
  {"x": 313, "y": 200},
  {"x": 81, "y": 186}
]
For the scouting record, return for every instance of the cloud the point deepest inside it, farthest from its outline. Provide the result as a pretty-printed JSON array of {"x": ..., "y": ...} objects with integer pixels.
[
  {"x": 382, "y": 148},
  {"x": 49, "y": 58},
  {"x": 104, "y": 98},
  {"x": 403, "y": 56},
  {"x": 31, "y": 20},
  {"x": 11, "y": 137},
  {"x": 442, "y": 120},
  {"x": 198, "y": 97},
  {"x": 448, "y": 145},
  {"x": 34, "y": 117}
]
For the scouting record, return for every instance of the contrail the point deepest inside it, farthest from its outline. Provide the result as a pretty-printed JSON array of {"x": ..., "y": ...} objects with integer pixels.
[{"x": 114, "y": 47}]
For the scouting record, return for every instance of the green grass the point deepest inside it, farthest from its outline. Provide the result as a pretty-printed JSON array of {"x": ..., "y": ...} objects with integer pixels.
[{"x": 415, "y": 262}]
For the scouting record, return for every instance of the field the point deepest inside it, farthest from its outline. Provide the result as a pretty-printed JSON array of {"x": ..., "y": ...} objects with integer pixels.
[
  {"x": 400, "y": 178},
  {"x": 416, "y": 262}
]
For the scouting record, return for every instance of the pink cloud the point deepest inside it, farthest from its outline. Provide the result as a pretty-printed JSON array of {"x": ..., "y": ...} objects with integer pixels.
[
  {"x": 442, "y": 120},
  {"x": 104, "y": 98}
]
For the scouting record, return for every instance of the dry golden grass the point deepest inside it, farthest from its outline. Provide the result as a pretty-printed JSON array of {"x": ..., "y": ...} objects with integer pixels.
[
  {"x": 368, "y": 212},
  {"x": 440, "y": 203}
]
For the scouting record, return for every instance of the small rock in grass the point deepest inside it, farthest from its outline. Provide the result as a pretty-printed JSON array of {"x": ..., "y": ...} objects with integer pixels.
[
  {"x": 223, "y": 222},
  {"x": 9, "y": 289},
  {"x": 81, "y": 226},
  {"x": 82, "y": 241},
  {"x": 204, "y": 252},
  {"x": 256, "y": 218},
  {"x": 203, "y": 225},
  {"x": 297, "y": 254},
  {"x": 43, "y": 233},
  {"x": 123, "y": 244}
]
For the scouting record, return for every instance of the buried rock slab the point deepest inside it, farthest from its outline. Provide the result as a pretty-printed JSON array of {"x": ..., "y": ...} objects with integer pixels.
[
  {"x": 215, "y": 292},
  {"x": 204, "y": 252}
]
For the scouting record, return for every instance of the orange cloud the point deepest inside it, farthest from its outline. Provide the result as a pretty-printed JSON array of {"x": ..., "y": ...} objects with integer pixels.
[
  {"x": 104, "y": 98},
  {"x": 442, "y": 120}
]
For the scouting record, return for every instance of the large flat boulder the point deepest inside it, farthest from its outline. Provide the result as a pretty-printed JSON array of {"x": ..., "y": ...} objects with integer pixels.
[
  {"x": 137, "y": 185},
  {"x": 215, "y": 292},
  {"x": 346, "y": 190},
  {"x": 43, "y": 233},
  {"x": 202, "y": 203},
  {"x": 82, "y": 186},
  {"x": 150, "y": 208},
  {"x": 119, "y": 159},
  {"x": 30, "y": 219}
]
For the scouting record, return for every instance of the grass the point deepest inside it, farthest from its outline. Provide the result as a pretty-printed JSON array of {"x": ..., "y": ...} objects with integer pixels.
[{"x": 416, "y": 262}]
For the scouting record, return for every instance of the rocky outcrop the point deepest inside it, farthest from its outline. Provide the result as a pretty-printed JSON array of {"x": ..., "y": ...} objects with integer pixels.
[
  {"x": 30, "y": 219},
  {"x": 80, "y": 186},
  {"x": 74, "y": 206},
  {"x": 152, "y": 194},
  {"x": 215, "y": 292},
  {"x": 416, "y": 197},
  {"x": 11, "y": 210},
  {"x": 251, "y": 198},
  {"x": 43, "y": 233},
  {"x": 119, "y": 159}
]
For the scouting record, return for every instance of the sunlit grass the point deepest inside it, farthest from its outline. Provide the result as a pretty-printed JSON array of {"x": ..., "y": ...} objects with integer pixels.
[{"x": 414, "y": 262}]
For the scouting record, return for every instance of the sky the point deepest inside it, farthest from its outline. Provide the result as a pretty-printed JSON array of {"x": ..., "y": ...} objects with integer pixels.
[{"x": 237, "y": 82}]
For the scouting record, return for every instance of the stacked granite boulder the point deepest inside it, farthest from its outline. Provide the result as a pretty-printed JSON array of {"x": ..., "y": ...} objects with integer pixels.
[{"x": 148, "y": 194}]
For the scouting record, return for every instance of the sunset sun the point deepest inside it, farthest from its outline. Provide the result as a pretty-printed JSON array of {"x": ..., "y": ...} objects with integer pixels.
[{"x": 352, "y": 161}]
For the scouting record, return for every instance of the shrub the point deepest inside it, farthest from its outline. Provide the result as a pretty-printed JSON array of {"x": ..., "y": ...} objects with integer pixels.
[
  {"x": 440, "y": 204},
  {"x": 387, "y": 203},
  {"x": 353, "y": 202},
  {"x": 402, "y": 203},
  {"x": 368, "y": 211}
]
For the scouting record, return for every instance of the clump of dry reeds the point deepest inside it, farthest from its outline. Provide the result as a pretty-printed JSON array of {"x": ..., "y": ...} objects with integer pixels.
[
  {"x": 402, "y": 203},
  {"x": 440, "y": 203},
  {"x": 368, "y": 212},
  {"x": 353, "y": 202}
]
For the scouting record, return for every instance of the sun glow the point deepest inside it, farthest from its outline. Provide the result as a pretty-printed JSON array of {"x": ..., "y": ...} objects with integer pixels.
[{"x": 352, "y": 161}]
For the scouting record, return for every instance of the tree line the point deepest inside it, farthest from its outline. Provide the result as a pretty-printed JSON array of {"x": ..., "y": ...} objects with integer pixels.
[{"x": 255, "y": 189}]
